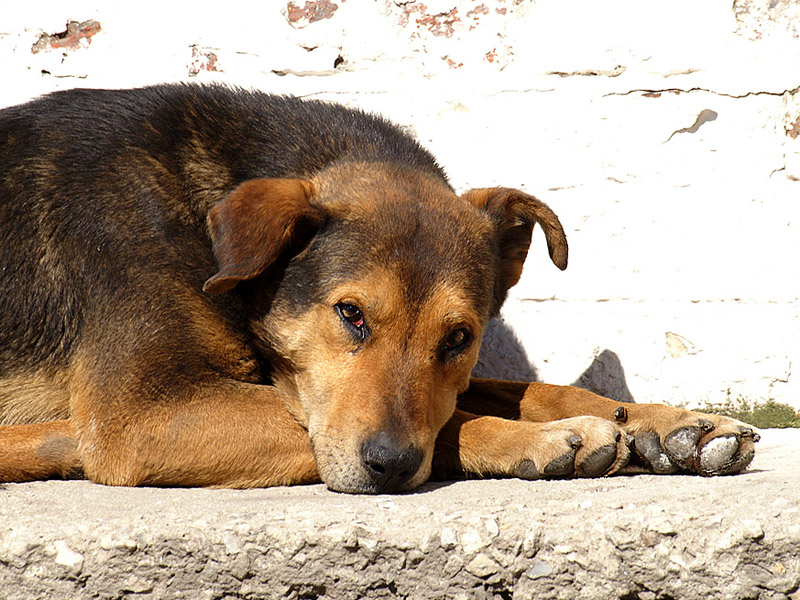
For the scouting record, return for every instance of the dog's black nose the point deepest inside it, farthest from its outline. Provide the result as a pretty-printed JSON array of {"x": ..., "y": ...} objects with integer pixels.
[{"x": 389, "y": 465}]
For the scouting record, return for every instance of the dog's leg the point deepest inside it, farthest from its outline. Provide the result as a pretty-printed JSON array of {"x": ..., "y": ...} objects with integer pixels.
[
  {"x": 40, "y": 451},
  {"x": 666, "y": 439},
  {"x": 228, "y": 434},
  {"x": 493, "y": 446}
]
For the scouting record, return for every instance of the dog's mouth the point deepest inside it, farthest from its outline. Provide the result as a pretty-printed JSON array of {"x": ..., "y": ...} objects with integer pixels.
[{"x": 381, "y": 464}]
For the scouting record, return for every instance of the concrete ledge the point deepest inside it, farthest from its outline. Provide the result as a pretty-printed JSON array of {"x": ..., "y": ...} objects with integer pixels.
[{"x": 639, "y": 537}]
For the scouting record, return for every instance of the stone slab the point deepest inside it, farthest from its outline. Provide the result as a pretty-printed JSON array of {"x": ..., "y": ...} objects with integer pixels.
[{"x": 632, "y": 537}]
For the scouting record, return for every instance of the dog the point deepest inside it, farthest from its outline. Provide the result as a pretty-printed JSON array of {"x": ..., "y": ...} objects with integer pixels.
[{"x": 206, "y": 286}]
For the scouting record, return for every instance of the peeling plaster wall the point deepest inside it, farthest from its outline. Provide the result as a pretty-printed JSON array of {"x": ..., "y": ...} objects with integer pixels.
[{"x": 665, "y": 135}]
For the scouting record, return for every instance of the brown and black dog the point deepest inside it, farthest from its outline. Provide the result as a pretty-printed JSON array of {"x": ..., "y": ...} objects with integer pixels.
[{"x": 207, "y": 286}]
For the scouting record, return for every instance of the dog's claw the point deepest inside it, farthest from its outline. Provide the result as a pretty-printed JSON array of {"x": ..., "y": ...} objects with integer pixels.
[
  {"x": 706, "y": 425},
  {"x": 620, "y": 415},
  {"x": 747, "y": 432},
  {"x": 574, "y": 441}
]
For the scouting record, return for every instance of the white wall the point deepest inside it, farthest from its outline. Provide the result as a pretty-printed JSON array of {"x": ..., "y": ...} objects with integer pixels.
[{"x": 684, "y": 273}]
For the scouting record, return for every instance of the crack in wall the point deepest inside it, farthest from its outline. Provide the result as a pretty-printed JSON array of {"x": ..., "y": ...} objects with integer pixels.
[{"x": 700, "y": 89}]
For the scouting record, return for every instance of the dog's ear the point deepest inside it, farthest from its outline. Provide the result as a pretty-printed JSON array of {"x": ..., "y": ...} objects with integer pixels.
[
  {"x": 515, "y": 214},
  {"x": 257, "y": 221}
]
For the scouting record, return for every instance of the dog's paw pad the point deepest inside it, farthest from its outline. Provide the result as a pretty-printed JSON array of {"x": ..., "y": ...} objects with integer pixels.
[
  {"x": 723, "y": 455},
  {"x": 681, "y": 444},
  {"x": 648, "y": 446},
  {"x": 527, "y": 470},
  {"x": 563, "y": 466},
  {"x": 598, "y": 462}
]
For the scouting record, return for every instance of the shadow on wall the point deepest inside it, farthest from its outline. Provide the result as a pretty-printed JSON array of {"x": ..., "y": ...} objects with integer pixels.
[
  {"x": 606, "y": 377},
  {"x": 502, "y": 356}
]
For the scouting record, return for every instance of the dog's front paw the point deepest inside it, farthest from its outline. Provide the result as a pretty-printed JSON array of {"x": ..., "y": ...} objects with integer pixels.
[
  {"x": 696, "y": 443},
  {"x": 574, "y": 447}
]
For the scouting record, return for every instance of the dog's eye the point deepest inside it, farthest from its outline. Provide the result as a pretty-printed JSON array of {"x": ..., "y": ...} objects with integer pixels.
[
  {"x": 353, "y": 316},
  {"x": 456, "y": 342},
  {"x": 455, "y": 339}
]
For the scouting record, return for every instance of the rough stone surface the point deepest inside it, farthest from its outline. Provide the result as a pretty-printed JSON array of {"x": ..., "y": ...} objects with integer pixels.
[
  {"x": 665, "y": 135},
  {"x": 633, "y": 537}
]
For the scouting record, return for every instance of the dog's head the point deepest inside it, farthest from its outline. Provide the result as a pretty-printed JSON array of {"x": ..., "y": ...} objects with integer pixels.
[{"x": 371, "y": 286}]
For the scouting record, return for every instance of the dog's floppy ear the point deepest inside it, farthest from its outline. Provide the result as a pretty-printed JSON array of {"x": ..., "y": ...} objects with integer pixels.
[
  {"x": 251, "y": 226},
  {"x": 515, "y": 214}
]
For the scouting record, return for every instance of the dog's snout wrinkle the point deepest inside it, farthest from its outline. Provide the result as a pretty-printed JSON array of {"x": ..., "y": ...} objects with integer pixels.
[{"x": 389, "y": 465}]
